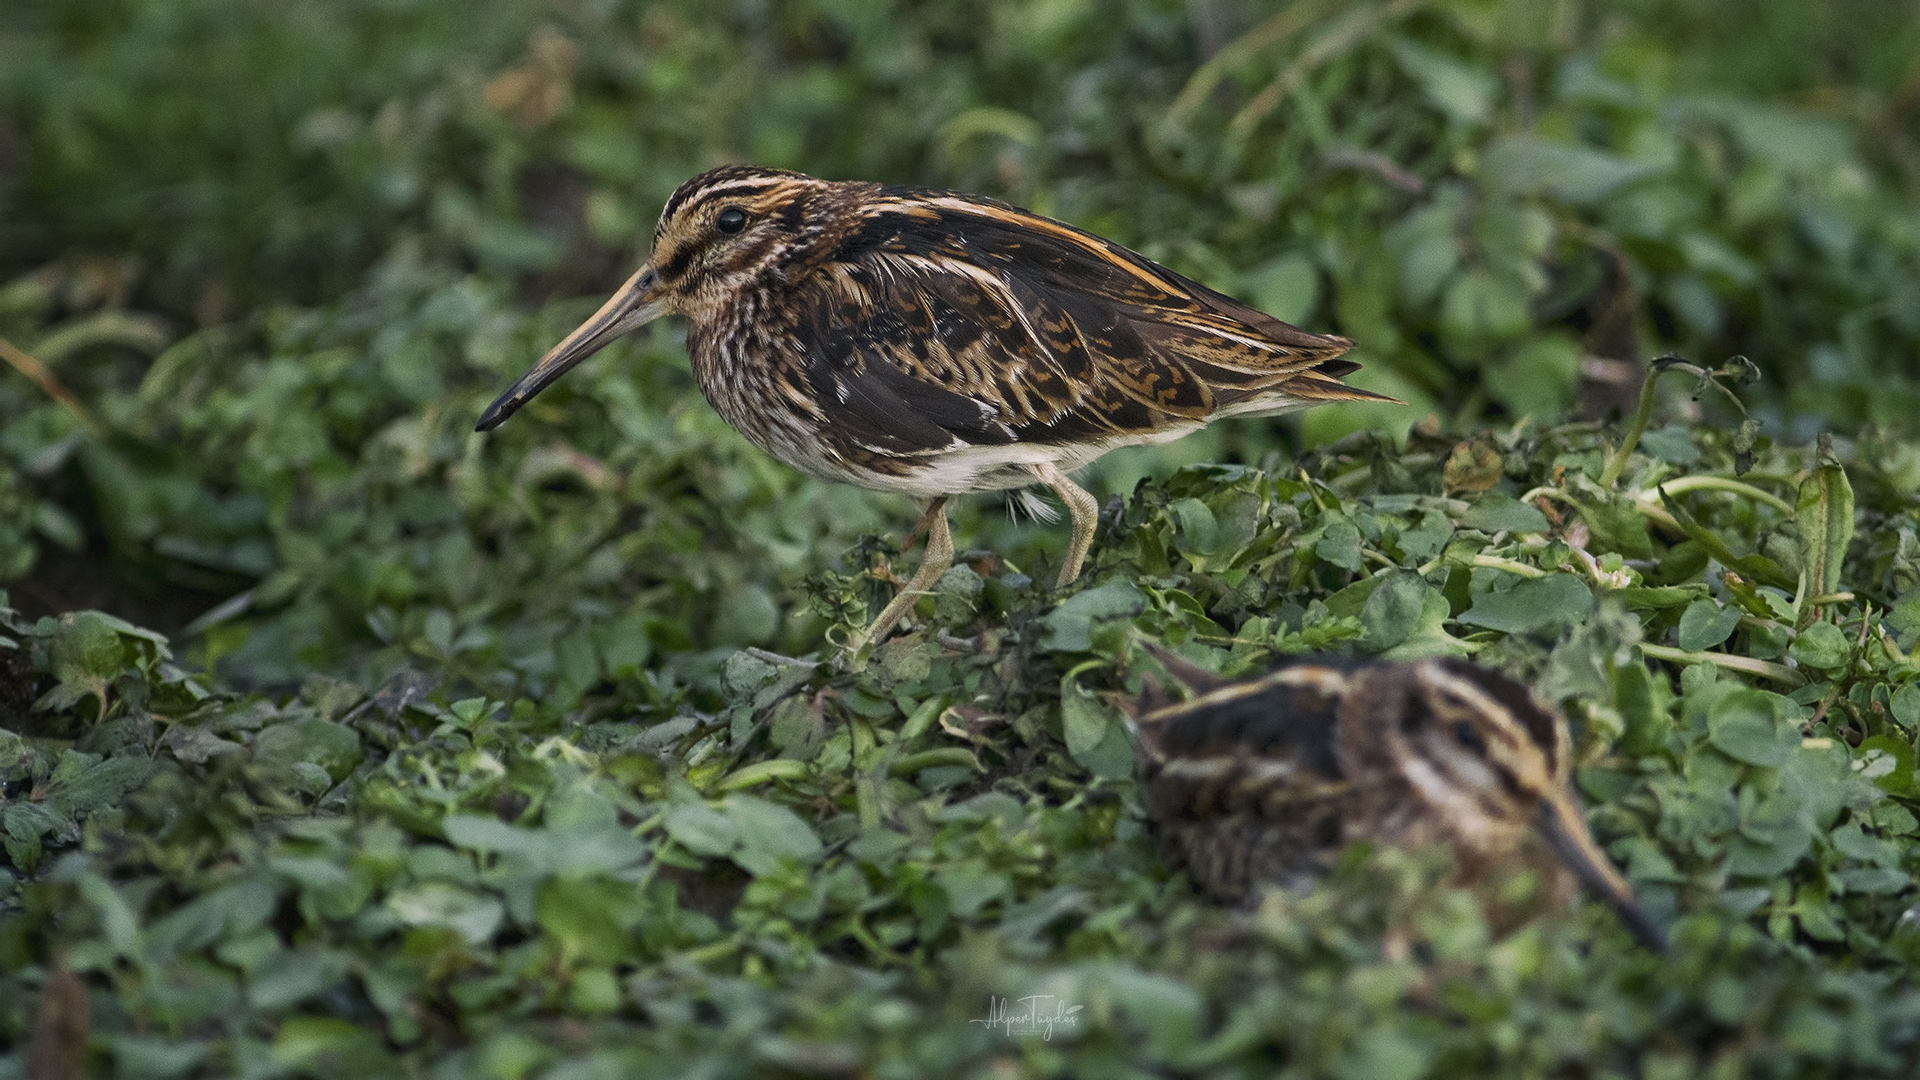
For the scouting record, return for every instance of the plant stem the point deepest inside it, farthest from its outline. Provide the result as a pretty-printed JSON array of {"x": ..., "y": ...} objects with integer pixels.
[
  {"x": 1617, "y": 463},
  {"x": 1721, "y": 483},
  {"x": 1779, "y": 673}
]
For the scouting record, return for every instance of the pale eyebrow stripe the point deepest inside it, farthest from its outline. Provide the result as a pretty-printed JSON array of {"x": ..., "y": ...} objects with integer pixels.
[{"x": 747, "y": 185}]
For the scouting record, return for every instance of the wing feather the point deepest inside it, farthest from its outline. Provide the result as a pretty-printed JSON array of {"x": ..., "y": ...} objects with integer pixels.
[{"x": 948, "y": 320}]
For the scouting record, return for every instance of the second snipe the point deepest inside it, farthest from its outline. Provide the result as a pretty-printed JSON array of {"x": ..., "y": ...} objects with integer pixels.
[
  {"x": 936, "y": 344},
  {"x": 1262, "y": 782}
]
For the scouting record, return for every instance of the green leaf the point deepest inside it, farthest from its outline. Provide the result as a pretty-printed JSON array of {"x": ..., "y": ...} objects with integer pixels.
[
  {"x": 879, "y": 846},
  {"x": 474, "y": 916},
  {"x": 761, "y": 772},
  {"x": 1339, "y": 544},
  {"x": 294, "y": 976},
  {"x": 476, "y": 832},
  {"x": 1824, "y": 512},
  {"x": 583, "y": 851},
  {"x": 1420, "y": 543},
  {"x": 1533, "y": 604},
  {"x": 771, "y": 836},
  {"x": 1095, "y": 736},
  {"x": 1822, "y": 645},
  {"x": 1816, "y": 785},
  {"x": 1617, "y": 526},
  {"x": 1747, "y": 725},
  {"x": 1393, "y": 610},
  {"x": 28, "y": 826},
  {"x": 1082, "y": 720},
  {"x": 1112, "y": 759},
  {"x": 87, "y": 646},
  {"x": 1405, "y": 619},
  {"x": 1875, "y": 880},
  {"x": 1067, "y": 627},
  {"x": 1286, "y": 286},
  {"x": 1673, "y": 443},
  {"x": 328, "y": 1046},
  {"x": 1496, "y": 513},
  {"x": 333, "y": 747},
  {"x": 1887, "y": 760},
  {"x": 1771, "y": 854},
  {"x": 1199, "y": 532},
  {"x": 1529, "y": 165},
  {"x": 701, "y": 829},
  {"x": 970, "y": 886},
  {"x": 87, "y": 655},
  {"x": 1463, "y": 91},
  {"x": 1905, "y": 705},
  {"x": 1481, "y": 307},
  {"x": 1388, "y": 1055},
  {"x": 98, "y": 786},
  {"x": 1427, "y": 249},
  {"x": 1167, "y": 1008},
  {"x": 159, "y": 1057},
  {"x": 1706, "y": 624},
  {"x": 1639, "y": 705},
  {"x": 1789, "y": 138},
  {"x": 580, "y": 917}
]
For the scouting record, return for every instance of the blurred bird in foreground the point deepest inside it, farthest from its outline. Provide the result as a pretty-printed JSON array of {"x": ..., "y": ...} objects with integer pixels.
[
  {"x": 1264, "y": 781},
  {"x": 935, "y": 344}
]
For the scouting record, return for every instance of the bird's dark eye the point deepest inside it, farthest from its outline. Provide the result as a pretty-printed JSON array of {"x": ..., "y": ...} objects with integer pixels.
[
  {"x": 1466, "y": 736},
  {"x": 731, "y": 220}
]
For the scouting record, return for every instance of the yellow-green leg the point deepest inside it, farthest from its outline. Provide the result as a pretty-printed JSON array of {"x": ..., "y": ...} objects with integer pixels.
[
  {"x": 935, "y": 562},
  {"x": 1085, "y": 512}
]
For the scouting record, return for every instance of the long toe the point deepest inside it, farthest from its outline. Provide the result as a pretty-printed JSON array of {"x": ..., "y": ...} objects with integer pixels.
[
  {"x": 1085, "y": 512},
  {"x": 933, "y": 564}
]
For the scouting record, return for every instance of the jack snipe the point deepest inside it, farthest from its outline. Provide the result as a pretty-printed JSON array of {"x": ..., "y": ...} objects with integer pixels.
[
  {"x": 935, "y": 344},
  {"x": 1264, "y": 781}
]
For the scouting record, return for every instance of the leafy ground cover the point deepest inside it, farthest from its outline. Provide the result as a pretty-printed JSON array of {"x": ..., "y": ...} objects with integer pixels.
[{"x": 405, "y": 751}]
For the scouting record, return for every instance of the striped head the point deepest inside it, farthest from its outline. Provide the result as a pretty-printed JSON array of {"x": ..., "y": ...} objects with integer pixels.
[
  {"x": 721, "y": 231},
  {"x": 736, "y": 224},
  {"x": 1469, "y": 744},
  {"x": 1488, "y": 766}
]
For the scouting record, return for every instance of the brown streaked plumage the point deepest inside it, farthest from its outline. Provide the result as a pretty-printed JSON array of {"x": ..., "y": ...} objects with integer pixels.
[
  {"x": 1263, "y": 781},
  {"x": 936, "y": 344}
]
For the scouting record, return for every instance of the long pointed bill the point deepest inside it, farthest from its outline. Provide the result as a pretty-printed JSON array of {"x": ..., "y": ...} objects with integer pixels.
[
  {"x": 1566, "y": 833},
  {"x": 639, "y": 301}
]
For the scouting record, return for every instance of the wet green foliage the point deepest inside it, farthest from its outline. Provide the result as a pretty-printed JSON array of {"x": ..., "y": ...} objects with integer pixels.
[
  {"x": 451, "y": 755},
  {"x": 772, "y": 863}
]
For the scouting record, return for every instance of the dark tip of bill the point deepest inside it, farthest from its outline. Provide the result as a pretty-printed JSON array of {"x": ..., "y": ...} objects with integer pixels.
[
  {"x": 1650, "y": 937},
  {"x": 496, "y": 414}
]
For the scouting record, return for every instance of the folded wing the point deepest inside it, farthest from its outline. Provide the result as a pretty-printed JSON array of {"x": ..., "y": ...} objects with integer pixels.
[{"x": 951, "y": 321}]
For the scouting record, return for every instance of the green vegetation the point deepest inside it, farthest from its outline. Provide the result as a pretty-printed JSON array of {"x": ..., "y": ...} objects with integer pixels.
[{"x": 411, "y": 752}]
